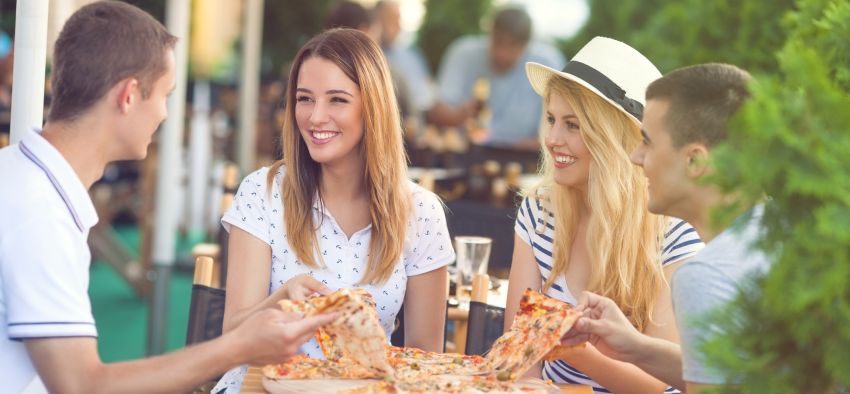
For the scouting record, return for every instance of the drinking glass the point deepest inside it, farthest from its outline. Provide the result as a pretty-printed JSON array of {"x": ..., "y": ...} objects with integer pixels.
[{"x": 473, "y": 254}]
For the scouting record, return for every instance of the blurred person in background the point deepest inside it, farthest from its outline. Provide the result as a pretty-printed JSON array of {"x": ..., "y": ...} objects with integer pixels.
[
  {"x": 113, "y": 71},
  {"x": 352, "y": 15},
  {"x": 339, "y": 210},
  {"x": 586, "y": 226},
  {"x": 405, "y": 59},
  {"x": 498, "y": 58}
]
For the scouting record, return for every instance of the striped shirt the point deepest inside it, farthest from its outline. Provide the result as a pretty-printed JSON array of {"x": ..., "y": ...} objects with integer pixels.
[{"x": 535, "y": 226}]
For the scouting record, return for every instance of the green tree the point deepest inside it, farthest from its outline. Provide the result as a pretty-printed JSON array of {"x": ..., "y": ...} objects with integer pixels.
[
  {"x": 617, "y": 19},
  {"x": 287, "y": 25},
  {"x": 678, "y": 33},
  {"x": 741, "y": 32},
  {"x": 446, "y": 20},
  {"x": 790, "y": 333}
]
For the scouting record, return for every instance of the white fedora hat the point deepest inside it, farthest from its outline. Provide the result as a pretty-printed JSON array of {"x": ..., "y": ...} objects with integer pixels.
[{"x": 609, "y": 68}]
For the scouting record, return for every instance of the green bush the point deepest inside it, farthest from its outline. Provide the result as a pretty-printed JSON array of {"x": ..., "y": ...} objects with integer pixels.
[
  {"x": 679, "y": 33},
  {"x": 790, "y": 333},
  {"x": 446, "y": 20},
  {"x": 287, "y": 25}
]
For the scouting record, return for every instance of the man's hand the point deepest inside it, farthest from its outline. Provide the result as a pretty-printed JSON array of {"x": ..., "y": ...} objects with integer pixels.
[
  {"x": 272, "y": 336},
  {"x": 606, "y": 327},
  {"x": 303, "y": 286}
]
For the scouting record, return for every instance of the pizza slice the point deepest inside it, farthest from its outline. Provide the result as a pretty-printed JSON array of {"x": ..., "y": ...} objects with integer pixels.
[
  {"x": 538, "y": 327},
  {"x": 356, "y": 336}
]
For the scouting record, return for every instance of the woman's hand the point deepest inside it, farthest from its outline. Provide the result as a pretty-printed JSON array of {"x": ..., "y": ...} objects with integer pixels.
[{"x": 303, "y": 286}]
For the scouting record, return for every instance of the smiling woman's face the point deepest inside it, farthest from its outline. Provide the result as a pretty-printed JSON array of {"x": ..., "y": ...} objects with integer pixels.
[
  {"x": 329, "y": 112},
  {"x": 564, "y": 142}
]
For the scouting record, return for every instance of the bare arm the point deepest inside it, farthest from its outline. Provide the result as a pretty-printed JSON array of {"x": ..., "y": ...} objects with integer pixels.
[
  {"x": 425, "y": 310},
  {"x": 248, "y": 276},
  {"x": 524, "y": 275},
  {"x": 655, "y": 363},
  {"x": 266, "y": 337}
]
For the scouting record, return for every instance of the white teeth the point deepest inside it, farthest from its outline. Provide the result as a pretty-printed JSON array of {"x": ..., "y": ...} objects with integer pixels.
[
  {"x": 323, "y": 135},
  {"x": 565, "y": 159}
]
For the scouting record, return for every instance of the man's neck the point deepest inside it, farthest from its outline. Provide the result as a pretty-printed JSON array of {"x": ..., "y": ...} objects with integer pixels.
[
  {"x": 702, "y": 217},
  {"x": 79, "y": 143}
]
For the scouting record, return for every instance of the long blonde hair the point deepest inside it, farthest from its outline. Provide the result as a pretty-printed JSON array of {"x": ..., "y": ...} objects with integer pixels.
[
  {"x": 623, "y": 238},
  {"x": 382, "y": 148}
]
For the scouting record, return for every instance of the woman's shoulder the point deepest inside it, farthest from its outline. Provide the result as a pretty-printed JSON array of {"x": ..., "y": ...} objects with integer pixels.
[
  {"x": 421, "y": 196},
  {"x": 260, "y": 176},
  {"x": 534, "y": 204},
  {"x": 681, "y": 241}
]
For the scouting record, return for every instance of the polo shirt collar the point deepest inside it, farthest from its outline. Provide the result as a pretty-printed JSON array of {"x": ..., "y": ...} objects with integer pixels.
[{"x": 64, "y": 179}]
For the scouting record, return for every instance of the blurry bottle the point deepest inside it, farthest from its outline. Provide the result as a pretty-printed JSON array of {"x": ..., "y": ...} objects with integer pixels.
[
  {"x": 410, "y": 126},
  {"x": 478, "y": 188},
  {"x": 500, "y": 194},
  {"x": 427, "y": 181},
  {"x": 479, "y": 127},
  {"x": 513, "y": 172},
  {"x": 491, "y": 170}
]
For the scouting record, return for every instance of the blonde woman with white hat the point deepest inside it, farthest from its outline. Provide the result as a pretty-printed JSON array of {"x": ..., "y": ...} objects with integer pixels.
[{"x": 586, "y": 227}]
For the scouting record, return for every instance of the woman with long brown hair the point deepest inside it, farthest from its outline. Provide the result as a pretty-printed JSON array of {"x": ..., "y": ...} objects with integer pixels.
[
  {"x": 586, "y": 226},
  {"x": 338, "y": 210}
]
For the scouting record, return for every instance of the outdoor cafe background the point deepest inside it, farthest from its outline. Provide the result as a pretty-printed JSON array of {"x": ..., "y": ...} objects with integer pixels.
[{"x": 233, "y": 97}]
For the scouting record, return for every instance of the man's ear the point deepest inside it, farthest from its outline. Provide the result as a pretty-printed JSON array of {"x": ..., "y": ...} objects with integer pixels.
[
  {"x": 697, "y": 156},
  {"x": 128, "y": 94}
]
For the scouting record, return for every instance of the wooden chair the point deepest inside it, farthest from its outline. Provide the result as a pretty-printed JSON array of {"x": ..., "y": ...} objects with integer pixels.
[
  {"x": 485, "y": 322},
  {"x": 206, "y": 311},
  {"x": 462, "y": 318}
]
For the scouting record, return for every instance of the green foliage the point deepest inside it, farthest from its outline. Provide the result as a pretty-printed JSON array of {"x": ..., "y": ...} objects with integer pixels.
[
  {"x": 446, "y": 20},
  {"x": 287, "y": 25},
  {"x": 617, "y": 19},
  {"x": 791, "y": 332},
  {"x": 679, "y": 33}
]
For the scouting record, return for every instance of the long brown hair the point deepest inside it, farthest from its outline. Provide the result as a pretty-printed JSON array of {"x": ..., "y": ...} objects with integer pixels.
[
  {"x": 382, "y": 148},
  {"x": 623, "y": 238}
]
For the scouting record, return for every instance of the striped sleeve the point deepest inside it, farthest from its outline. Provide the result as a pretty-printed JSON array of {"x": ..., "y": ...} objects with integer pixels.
[
  {"x": 524, "y": 226},
  {"x": 681, "y": 241}
]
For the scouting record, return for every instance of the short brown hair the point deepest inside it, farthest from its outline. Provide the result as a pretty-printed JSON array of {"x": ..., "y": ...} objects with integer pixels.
[
  {"x": 100, "y": 45},
  {"x": 702, "y": 100},
  {"x": 513, "y": 22}
]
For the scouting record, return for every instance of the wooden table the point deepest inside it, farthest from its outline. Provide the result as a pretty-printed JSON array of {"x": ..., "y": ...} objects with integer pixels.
[{"x": 253, "y": 384}]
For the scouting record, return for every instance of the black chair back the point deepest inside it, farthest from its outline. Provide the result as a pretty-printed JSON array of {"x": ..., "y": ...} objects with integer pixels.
[
  {"x": 206, "y": 314},
  {"x": 486, "y": 323}
]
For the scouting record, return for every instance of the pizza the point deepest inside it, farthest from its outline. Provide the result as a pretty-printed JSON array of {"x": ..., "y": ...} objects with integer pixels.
[
  {"x": 356, "y": 347},
  {"x": 304, "y": 367},
  {"x": 537, "y": 329},
  {"x": 449, "y": 385},
  {"x": 412, "y": 363},
  {"x": 364, "y": 339}
]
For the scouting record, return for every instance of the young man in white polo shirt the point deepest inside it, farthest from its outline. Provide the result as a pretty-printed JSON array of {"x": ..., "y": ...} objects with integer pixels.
[
  {"x": 113, "y": 69},
  {"x": 686, "y": 115}
]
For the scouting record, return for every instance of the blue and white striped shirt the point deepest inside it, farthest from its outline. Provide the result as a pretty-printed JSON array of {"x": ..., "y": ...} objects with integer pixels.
[{"x": 535, "y": 226}]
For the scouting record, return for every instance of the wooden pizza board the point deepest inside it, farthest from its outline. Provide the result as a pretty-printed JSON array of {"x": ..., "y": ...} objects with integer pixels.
[{"x": 331, "y": 386}]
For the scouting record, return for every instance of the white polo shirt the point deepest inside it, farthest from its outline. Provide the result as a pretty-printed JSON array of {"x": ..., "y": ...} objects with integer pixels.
[{"x": 45, "y": 217}]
